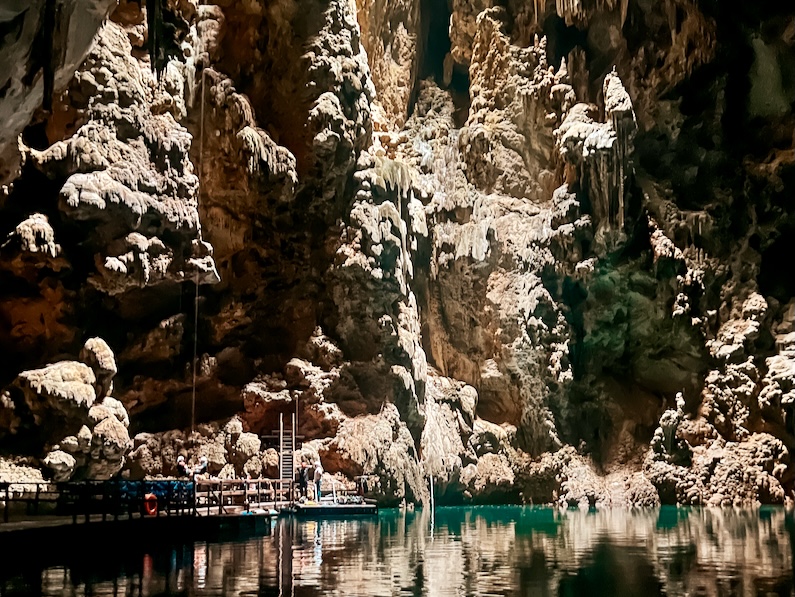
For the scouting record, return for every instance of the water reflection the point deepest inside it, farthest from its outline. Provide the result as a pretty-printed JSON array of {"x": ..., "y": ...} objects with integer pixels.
[{"x": 470, "y": 551}]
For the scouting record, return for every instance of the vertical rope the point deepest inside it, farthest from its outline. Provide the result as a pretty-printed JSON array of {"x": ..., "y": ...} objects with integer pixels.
[
  {"x": 196, "y": 280},
  {"x": 195, "y": 348}
]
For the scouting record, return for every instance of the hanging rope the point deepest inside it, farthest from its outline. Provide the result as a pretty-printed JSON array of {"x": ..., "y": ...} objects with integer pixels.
[
  {"x": 196, "y": 280},
  {"x": 195, "y": 359}
]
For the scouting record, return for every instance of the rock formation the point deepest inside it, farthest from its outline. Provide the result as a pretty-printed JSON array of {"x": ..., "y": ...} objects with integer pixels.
[
  {"x": 41, "y": 46},
  {"x": 66, "y": 409},
  {"x": 518, "y": 252}
]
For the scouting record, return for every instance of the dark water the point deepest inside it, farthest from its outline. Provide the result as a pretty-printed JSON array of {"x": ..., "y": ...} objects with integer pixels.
[{"x": 469, "y": 551}]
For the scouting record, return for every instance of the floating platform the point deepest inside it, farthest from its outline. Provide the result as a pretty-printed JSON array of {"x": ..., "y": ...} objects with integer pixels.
[
  {"x": 253, "y": 522},
  {"x": 330, "y": 509}
]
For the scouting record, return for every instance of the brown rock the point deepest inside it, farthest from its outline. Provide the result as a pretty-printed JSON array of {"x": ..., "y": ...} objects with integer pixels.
[
  {"x": 65, "y": 389},
  {"x": 270, "y": 463},
  {"x": 379, "y": 445},
  {"x": 110, "y": 442},
  {"x": 97, "y": 414},
  {"x": 97, "y": 354},
  {"x": 61, "y": 464},
  {"x": 492, "y": 476},
  {"x": 245, "y": 447},
  {"x": 32, "y": 246},
  {"x": 116, "y": 408},
  {"x": 253, "y": 467},
  {"x": 216, "y": 456}
]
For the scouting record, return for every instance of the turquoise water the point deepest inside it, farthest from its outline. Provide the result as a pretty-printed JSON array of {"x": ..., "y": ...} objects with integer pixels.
[{"x": 463, "y": 551}]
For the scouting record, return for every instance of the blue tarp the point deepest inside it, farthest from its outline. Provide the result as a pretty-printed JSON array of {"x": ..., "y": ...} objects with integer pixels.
[{"x": 166, "y": 490}]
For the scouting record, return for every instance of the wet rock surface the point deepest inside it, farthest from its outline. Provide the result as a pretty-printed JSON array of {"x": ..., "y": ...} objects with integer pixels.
[{"x": 516, "y": 253}]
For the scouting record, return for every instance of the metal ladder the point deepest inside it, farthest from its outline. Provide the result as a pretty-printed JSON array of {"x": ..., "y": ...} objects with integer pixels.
[{"x": 286, "y": 451}]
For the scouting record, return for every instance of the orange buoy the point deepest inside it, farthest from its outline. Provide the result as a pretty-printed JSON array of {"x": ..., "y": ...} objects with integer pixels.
[{"x": 150, "y": 504}]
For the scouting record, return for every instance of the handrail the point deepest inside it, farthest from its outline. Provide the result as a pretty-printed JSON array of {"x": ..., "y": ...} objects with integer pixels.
[
  {"x": 104, "y": 498},
  {"x": 178, "y": 497}
]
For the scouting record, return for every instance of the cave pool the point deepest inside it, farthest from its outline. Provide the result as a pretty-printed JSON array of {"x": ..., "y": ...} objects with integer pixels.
[{"x": 488, "y": 550}]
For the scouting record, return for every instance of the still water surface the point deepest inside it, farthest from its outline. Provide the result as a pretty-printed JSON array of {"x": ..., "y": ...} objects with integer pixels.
[{"x": 467, "y": 551}]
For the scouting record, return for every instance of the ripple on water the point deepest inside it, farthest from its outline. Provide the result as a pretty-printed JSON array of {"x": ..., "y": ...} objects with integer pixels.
[{"x": 479, "y": 551}]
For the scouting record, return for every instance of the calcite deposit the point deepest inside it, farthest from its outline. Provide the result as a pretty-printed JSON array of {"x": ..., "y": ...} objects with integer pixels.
[
  {"x": 65, "y": 410},
  {"x": 530, "y": 252}
]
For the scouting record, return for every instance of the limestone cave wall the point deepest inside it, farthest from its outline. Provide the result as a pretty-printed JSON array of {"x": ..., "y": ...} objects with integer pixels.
[{"x": 522, "y": 251}]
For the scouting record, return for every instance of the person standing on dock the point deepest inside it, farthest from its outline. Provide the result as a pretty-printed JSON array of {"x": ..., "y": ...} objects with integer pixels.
[
  {"x": 318, "y": 476},
  {"x": 303, "y": 479},
  {"x": 182, "y": 467}
]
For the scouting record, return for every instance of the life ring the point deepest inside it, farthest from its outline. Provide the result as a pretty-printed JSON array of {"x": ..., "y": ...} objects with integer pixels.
[{"x": 150, "y": 504}]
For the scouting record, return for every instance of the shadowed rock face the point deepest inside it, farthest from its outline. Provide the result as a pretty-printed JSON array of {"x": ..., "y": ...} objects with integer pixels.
[
  {"x": 496, "y": 279},
  {"x": 41, "y": 45}
]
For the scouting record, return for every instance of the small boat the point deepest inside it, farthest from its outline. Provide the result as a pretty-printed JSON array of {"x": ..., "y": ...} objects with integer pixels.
[{"x": 332, "y": 508}]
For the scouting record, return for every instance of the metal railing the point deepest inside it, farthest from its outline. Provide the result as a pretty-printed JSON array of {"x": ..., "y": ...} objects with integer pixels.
[
  {"x": 224, "y": 496},
  {"x": 157, "y": 497},
  {"x": 105, "y": 499}
]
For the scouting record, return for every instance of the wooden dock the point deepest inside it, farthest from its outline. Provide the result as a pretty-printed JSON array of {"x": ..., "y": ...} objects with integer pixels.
[
  {"x": 229, "y": 496},
  {"x": 47, "y": 505},
  {"x": 201, "y": 503}
]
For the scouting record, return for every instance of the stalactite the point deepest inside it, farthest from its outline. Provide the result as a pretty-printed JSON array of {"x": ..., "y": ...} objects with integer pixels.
[
  {"x": 154, "y": 22},
  {"x": 602, "y": 152},
  {"x": 618, "y": 108},
  {"x": 574, "y": 12},
  {"x": 624, "y": 9},
  {"x": 569, "y": 10},
  {"x": 670, "y": 13}
]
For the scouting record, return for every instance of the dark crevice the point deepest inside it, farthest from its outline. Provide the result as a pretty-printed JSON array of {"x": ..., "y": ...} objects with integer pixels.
[
  {"x": 437, "y": 45},
  {"x": 774, "y": 279},
  {"x": 51, "y": 14},
  {"x": 166, "y": 29},
  {"x": 562, "y": 39},
  {"x": 459, "y": 91},
  {"x": 432, "y": 49},
  {"x": 154, "y": 22},
  {"x": 35, "y": 136},
  {"x": 13, "y": 27}
]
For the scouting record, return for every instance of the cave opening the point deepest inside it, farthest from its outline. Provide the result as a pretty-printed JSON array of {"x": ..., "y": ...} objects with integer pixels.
[
  {"x": 574, "y": 296},
  {"x": 35, "y": 135},
  {"x": 562, "y": 39},
  {"x": 436, "y": 20},
  {"x": 435, "y": 15},
  {"x": 459, "y": 91}
]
